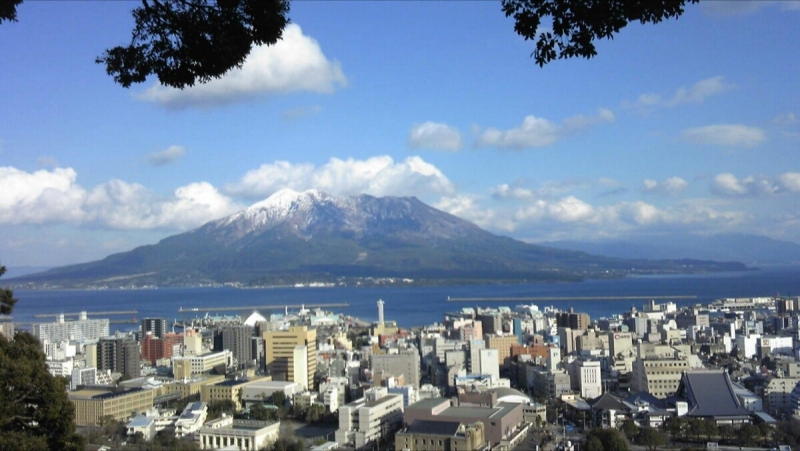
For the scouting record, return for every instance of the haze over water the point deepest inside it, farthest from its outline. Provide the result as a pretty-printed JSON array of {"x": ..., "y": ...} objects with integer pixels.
[{"x": 410, "y": 306}]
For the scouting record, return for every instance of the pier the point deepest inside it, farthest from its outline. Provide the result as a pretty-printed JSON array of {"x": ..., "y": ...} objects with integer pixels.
[
  {"x": 574, "y": 298},
  {"x": 260, "y": 307}
]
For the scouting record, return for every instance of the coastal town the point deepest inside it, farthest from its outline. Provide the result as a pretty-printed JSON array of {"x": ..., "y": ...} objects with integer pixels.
[{"x": 494, "y": 378}]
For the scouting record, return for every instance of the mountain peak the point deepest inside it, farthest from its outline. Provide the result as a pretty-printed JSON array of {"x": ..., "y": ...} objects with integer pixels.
[{"x": 283, "y": 199}]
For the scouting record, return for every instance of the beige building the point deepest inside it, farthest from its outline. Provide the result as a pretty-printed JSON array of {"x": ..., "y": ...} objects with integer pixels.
[
  {"x": 658, "y": 376},
  {"x": 280, "y": 350},
  {"x": 228, "y": 433},
  {"x": 441, "y": 436},
  {"x": 778, "y": 394},
  {"x": 187, "y": 366},
  {"x": 503, "y": 345},
  {"x": 92, "y": 405},
  {"x": 189, "y": 387},
  {"x": 228, "y": 390},
  {"x": 365, "y": 421}
]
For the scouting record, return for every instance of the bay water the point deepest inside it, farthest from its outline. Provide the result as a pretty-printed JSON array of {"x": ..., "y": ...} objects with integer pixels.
[{"x": 409, "y": 305}]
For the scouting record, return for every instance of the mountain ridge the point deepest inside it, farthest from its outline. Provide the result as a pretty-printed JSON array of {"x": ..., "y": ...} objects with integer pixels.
[{"x": 294, "y": 237}]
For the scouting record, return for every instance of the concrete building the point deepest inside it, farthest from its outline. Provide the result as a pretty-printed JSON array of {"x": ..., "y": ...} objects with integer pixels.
[
  {"x": 502, "y": 422},
  {"x": 119, "y": 354},
  {"x": 156, "y": 348},
  {"x": 503, "y": 344},
  {"x": 227, "y": 390},
  {"x": 227, "y": 433},
  {"x": 81, "y": 329},
  {"x": 92, "y": 404},
  {"x": 589, "y": 379},
  {"x": 82, "y": 376},
  {"x": 490, "y": 363},
  {"x": 426, "y": 435},
  {"x": 363, "y": 422},
  {"x": 658, "y": 376},
  {"x": 259, "y": 390},
  {"x": 60, "y": 368},
  {"x": 778, "y": 395},
  {"x": 237, "y": 339},
  {"x": 191, "y": 419},
  {"x": 280, "y": 353},
  {"x": 188, "y": 366},
  {"x": 156, "y": 326},
  {"x": 572, "y": 320},
  {"x": 405, "y": 363},
  {"x": 550, "y": 384}
]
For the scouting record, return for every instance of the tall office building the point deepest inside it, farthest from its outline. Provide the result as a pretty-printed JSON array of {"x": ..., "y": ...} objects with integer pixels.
[
  {"x": 157, "y": 326},
  {"x": 238, "y": 339},
  {"x": 280, "y": 347},
  {"x": 120, "y": 355},
  {"x": 572, "y": 320}
]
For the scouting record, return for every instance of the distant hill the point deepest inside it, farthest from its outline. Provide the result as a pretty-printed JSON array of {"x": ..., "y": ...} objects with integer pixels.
[
  {"x": 17, "y": 271},
  {"x": 296, "y": 237},
  {"x": 753, "y": 250}
]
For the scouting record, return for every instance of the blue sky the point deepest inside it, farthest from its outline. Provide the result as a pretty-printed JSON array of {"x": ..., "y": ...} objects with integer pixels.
[{"x": 691, "y": 125}]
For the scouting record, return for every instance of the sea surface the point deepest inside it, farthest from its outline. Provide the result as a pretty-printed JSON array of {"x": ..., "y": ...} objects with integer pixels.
[{"x": 409, "y": 306}]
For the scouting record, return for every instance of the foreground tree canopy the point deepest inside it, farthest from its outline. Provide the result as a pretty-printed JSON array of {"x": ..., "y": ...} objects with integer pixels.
[
  {"x": 35, "y": 413},
  {"x": 184, "y": 42}
]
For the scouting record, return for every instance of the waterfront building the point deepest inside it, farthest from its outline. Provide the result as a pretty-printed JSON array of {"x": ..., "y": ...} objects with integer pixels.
[
  {"x": 280, "y": 348},
  {"x": 365, "y": 421},
  {"x": 81, "y": 329}
]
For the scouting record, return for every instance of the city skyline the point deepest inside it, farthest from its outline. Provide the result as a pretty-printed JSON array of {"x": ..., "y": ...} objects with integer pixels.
[{"x": 688, "y": 125}]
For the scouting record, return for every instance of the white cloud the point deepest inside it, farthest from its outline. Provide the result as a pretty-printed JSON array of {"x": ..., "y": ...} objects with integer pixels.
[
  {"x": 728, "y": 185},
  {"x": 39, "y": 197},
  {"x": 672, "y": 185},
  {"x": 730, "y": 135},
  {"x": 378, "y": 176},
  {"x": 786, "y": 119},
  {"x": 52, "y": 197},
  {"x": 295, "y": 63},
  {"x": 540, "y": 132},
  {"x": 434, "y": 135},
  {"x": 696, "y": 93},
  {"x": 169, "y": 155}
]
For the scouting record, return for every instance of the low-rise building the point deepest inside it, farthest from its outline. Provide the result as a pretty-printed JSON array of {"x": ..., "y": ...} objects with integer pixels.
[
  {"x": 362, "y": 422},
  {"x": 228, "y": 433},
  {"x": 426, "y": 435},
  {"x": 93, "y": 404}
]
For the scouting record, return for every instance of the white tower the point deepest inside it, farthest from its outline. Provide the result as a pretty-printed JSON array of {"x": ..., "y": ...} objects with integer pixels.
[{"x": 380, "y": 312}]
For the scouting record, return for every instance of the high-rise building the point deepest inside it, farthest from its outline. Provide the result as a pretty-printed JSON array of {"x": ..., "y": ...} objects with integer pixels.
[
  {"x": 81, "y": 329},
  {"x": 120, "y": 354},
  {"x": 237, "y": 339},
  {"x": 380, "y": 311},
  {"x": 157, "y": 326},
  {"x": 154, "y": 348},
  {"x": 280, "y": 352},
  {"x": 572, "y": 320},
  {"x": 405, "y": 363}
]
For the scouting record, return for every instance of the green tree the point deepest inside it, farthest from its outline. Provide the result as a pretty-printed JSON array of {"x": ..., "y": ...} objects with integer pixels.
[
  {"x": 710, "y": 427},
  {"x": 651, "y": 438},
  {"x": 287, "y": 444},
  {"x": 674, "y": 426},
  {"x": 184, "y": 42},
  {"x": 609, "y": 438},
  {"x": 315, "y": 413},
  {"x": 630, "y": 429},
  {"x": 35, "y": 413},
  {"x": 593, "y": 444}
]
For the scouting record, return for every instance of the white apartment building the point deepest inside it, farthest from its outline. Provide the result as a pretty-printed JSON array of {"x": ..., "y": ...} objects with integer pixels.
[
  {"x": 60, "y": 368},
  {"x": 378, "y": 414},
  {"x": 80, "y": 329},
  {"x": 83, "y": 376},
  {"x": 191, "y": 419}
]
